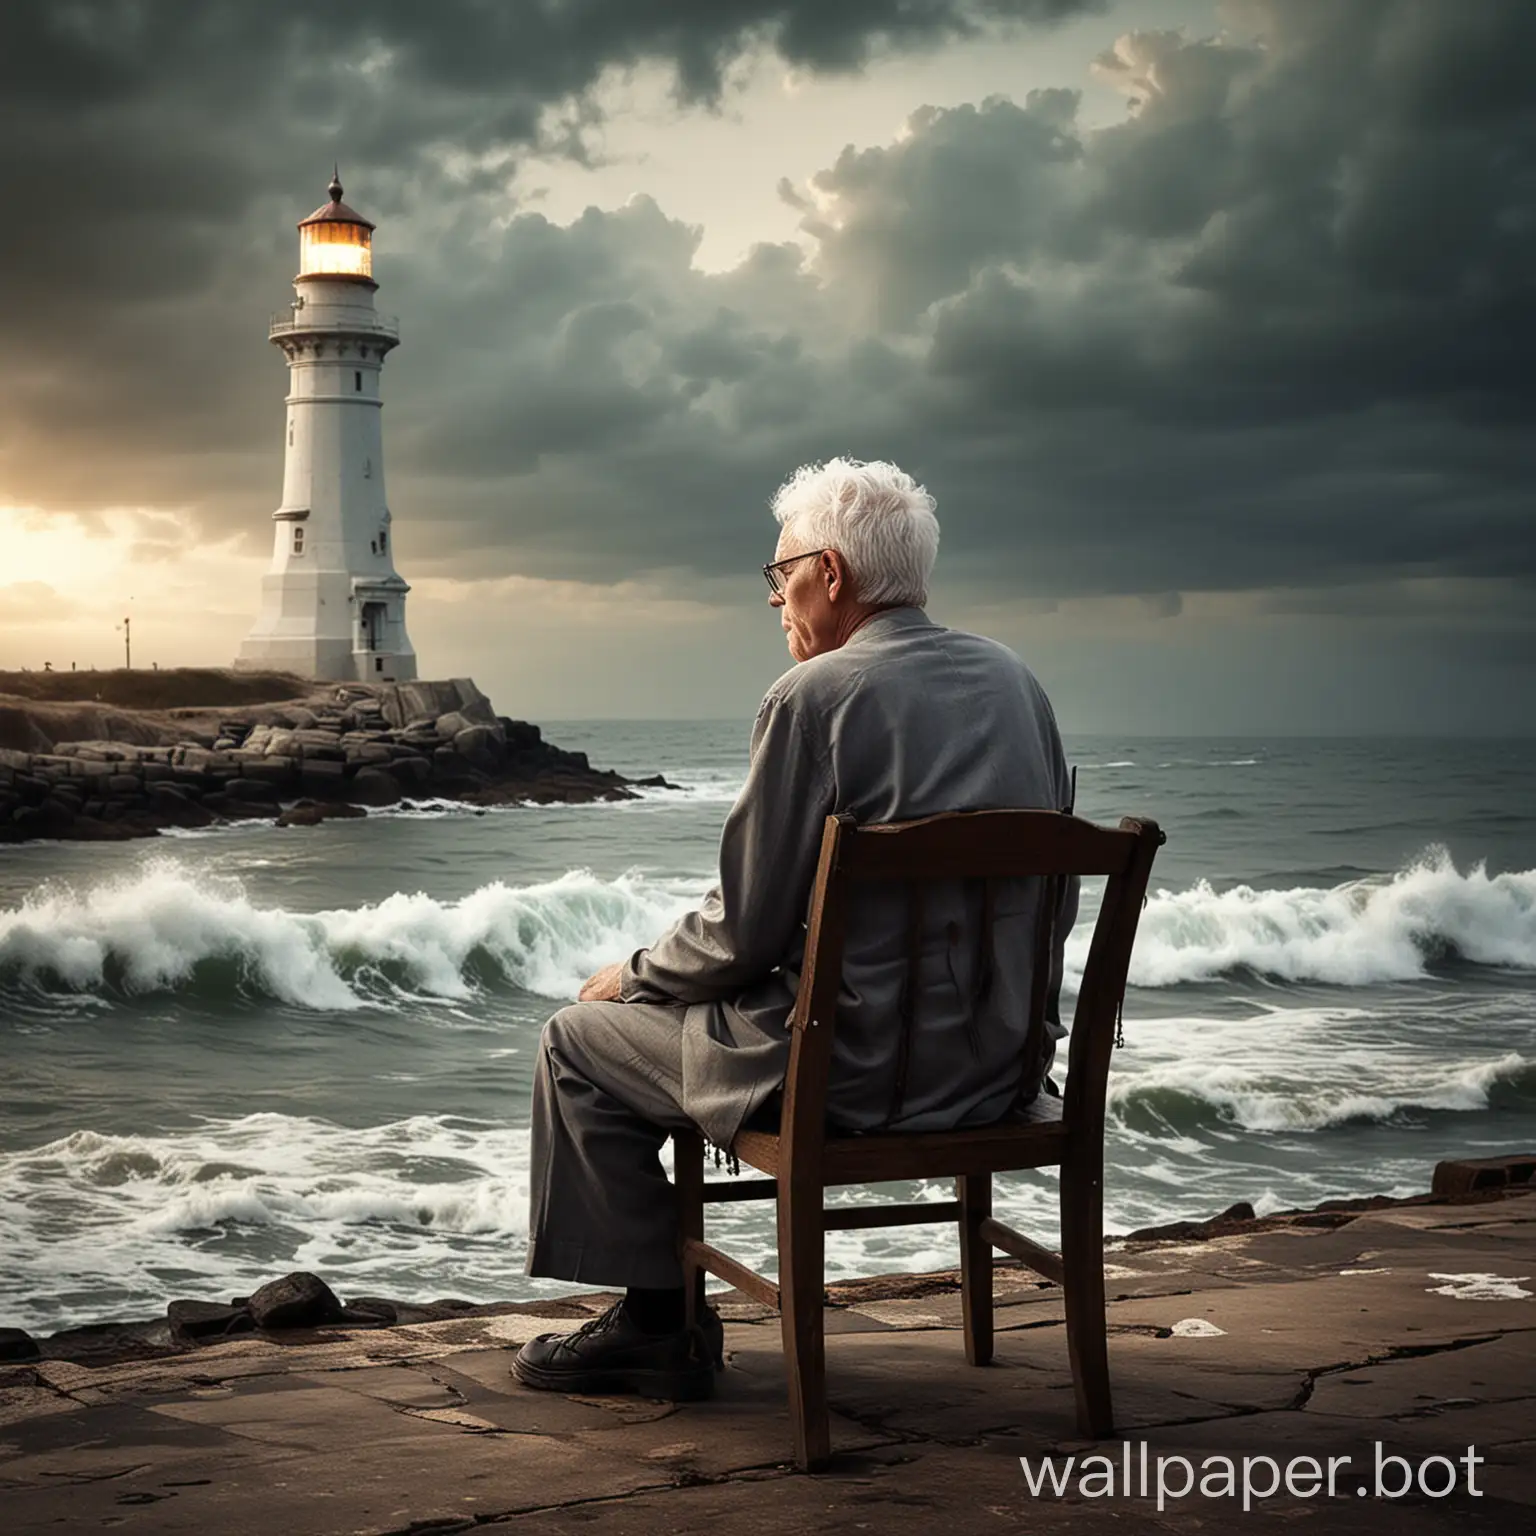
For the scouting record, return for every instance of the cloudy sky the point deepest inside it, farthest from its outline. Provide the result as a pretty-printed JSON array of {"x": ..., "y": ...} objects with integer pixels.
[{"x": 1210, "y": 323}]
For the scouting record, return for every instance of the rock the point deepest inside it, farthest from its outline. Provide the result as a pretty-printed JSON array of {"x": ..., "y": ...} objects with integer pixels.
[
  {"x": 177, "y": 808},
  {"x": 310, "y": 813},
  {"x": 373, "y": 786},
  {"x": 298, "y": 1300},
  {"x": 17, "y": 1344},
  {"x": 519, "y": 735},
  {"x": 270, "y": 770},
  {"x": 251, "y": 791},
  {"x": 412, "y": 770},
  {"x": 324, "y": 778},
  {"x": 191, "y": 1320},
  {"x": 480, "y": 745},
  {"x": 1463, "y": 1175},
  {"x": 448, "y": 726},
  {"x": 383, "y": 1311},
  {"x": 1199, "y": 1231},
  {"x": 54, "y": 818},
  {"x": 364, "y": 753},
  {"x": 317, "y": 744},
  {"x": 32, "y": 789},
  {"x": 225, "y": 744}
]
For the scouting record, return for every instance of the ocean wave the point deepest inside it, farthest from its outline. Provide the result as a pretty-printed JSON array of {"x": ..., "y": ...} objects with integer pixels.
[
  {"x": 1353, "y": 934},
  {"x": 167, "y": 929},
  {"x": 1190, "y": 1096},
  {"x": 705, "y": 790}
]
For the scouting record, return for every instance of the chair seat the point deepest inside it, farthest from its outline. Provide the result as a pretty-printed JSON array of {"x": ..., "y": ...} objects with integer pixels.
[{"x": 1036, "y": 1138}]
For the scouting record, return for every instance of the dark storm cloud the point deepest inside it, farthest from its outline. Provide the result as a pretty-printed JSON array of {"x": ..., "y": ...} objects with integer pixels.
[
  {"x": 150, "y": 152},
  {"x": 1272, "y": 330}
]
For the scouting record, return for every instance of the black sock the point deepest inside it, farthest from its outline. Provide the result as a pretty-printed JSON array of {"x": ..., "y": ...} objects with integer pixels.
[{"x": 656, "y": 1311}]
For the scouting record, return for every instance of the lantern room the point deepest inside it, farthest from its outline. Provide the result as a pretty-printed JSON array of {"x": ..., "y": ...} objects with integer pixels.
[{"x": 334, "y": 241}]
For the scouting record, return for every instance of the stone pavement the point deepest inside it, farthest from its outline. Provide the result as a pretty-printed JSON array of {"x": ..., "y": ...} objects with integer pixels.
[{"x": 1413, "y": 1326}]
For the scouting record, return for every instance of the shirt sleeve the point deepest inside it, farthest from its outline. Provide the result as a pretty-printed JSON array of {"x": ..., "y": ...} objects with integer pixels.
[{"x": 744, "y": 927}]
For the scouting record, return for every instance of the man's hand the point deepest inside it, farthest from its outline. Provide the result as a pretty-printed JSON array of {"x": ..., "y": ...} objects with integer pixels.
[{"x": 603, "y": 986}]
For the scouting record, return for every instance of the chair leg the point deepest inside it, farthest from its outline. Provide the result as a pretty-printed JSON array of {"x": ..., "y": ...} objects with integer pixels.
[
  {"x": 1082, "y": 1261},
  {"x": 688, "y": 1177},
  {"x": 974, "y": 1192},
  {"x": 802, "y": 1273}
]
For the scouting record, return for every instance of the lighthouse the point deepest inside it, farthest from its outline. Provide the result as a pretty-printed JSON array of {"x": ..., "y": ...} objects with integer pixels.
[{"x": 332, "y": 603}]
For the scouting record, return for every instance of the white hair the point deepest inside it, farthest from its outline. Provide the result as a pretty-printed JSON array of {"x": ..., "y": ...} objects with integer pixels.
[{"x": 876, "y": 516}]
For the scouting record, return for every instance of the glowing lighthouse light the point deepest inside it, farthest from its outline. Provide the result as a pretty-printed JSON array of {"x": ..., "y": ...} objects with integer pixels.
[{"x": 334, "y": 241}]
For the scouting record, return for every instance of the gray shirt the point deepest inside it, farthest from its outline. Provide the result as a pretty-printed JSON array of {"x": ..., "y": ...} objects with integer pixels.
[{"x": 908, "y": 719}]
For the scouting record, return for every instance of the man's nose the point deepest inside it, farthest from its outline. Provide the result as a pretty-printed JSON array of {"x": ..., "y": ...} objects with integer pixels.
[{"x": 775, "y": 599}]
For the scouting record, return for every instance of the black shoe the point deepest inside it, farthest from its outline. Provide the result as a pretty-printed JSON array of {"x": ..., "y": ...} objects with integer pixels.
[{"x": 610, "y": 1354}]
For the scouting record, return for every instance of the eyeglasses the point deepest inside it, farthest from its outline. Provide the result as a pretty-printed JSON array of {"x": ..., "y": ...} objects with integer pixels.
[{"x": 772, "y": 574}]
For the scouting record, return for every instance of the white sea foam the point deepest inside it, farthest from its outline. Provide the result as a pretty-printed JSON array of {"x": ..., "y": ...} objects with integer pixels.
[
  {"x": 166, "y": 927},
  {"x": 156, "y": 929},
  {"x": 426, "y": 1206},
  {"x": 1253, "y": 1096},
  {"x": 1355, "y": 934},
  {"x": 707, "y": 787}
]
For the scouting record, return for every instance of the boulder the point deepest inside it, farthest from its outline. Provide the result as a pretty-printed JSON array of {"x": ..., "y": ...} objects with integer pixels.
[
  {"x": 17, "y": 1344},
  {"x": 448, "y": 726},
  {"x": 176, "y": 807},
  {"x": 310, "y": 813},
  {"x": 194, "y": 1320},
  {"x": 318, "y": 744},
  {"x": 480, "y": 745},
  {"x": 373, "y": 786},
  {"x": 367, "y": 752},
  {"x": 383, "y": 1311},
  {"x": 412, "y": 770},
  {"x": 324, "y": 778},
  {"x": 252, "y": 791},
  {"x": 299, "y": 1300},
  {"x": 270, "y": 770},
  {"x": 54, "y": 818},
  {"x": 520, "y": 735}
]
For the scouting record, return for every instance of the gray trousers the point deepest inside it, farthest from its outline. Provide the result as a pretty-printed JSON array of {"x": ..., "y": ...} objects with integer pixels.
[{"x": 607, "y": 1091}]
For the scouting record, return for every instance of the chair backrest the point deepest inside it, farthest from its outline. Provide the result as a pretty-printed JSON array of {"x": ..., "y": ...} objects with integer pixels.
[{"x": 969, "y": 845}]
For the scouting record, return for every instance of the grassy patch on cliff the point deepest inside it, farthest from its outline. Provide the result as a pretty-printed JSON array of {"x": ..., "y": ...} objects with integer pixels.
[{"x": 173, "y": 688}]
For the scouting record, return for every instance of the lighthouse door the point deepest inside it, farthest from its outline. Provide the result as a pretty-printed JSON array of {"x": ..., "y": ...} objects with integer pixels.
[{"x": 373, "y": 626}]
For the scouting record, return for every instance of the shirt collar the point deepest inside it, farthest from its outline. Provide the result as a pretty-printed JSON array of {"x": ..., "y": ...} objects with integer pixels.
[{"x": 888, "y": 621}]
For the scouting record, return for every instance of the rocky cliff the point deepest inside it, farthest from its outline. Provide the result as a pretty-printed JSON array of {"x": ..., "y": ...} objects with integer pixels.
[{"x": 84, "y": 769}]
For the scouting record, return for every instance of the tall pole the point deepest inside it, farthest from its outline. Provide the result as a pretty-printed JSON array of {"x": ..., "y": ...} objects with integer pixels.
[{"x": 127, "y": 646}]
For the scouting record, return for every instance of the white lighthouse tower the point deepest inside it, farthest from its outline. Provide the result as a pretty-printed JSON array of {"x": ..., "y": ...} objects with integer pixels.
[{"x": 332, "y": 603}]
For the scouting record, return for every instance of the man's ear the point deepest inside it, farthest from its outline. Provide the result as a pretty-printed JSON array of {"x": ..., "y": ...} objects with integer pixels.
[{"x": 836, "y": 572}]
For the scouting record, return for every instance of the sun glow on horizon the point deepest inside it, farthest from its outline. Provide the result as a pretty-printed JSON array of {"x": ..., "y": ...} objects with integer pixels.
[{"x": 67, "y": 581}]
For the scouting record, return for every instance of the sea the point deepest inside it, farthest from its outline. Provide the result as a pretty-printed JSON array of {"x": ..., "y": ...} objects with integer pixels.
[{"x": 230, "y": 1054}]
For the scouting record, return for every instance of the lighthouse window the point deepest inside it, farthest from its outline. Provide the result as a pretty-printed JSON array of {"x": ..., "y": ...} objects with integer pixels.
[
  {"x": 298, "y": 541},
  {"x": 290, "y": 434},
  {"x": 383, "y": 541},
  {"x": 357, "y": 381}
]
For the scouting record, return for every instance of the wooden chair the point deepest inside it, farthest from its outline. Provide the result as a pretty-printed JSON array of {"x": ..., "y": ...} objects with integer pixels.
[{"x": 802, "y": 1159}]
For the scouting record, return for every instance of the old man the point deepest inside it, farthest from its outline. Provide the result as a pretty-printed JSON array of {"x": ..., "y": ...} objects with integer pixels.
[{"x": 886, "y": 715}]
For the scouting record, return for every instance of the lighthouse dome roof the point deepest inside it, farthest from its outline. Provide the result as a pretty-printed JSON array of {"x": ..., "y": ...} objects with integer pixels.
[{"x": 336, "y": 211}]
